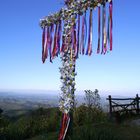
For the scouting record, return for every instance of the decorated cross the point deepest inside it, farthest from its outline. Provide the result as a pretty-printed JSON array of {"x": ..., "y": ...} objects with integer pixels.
[{"x": 65, "y": 33}]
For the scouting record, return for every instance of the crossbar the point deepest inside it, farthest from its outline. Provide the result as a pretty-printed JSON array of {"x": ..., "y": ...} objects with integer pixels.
[
  {"x": 121, "y": 99},
  {"x": 76, "y": 7}
]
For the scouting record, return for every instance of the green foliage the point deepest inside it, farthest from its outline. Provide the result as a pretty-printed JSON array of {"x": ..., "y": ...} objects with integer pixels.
[
  {"x": 92, "y": 133},
  {"x": 92, "y": 98},
  {"x": 39, "y": 121},
  {"x": 85, "y": 115},
  {"x": 3, "y": 121},
  {"x": 91, "y": 111},
  {"x": 80, "y": 115}
]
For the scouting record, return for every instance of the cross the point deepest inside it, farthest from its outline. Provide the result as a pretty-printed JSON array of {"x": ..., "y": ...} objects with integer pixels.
[{"x": 72, "y": 46}]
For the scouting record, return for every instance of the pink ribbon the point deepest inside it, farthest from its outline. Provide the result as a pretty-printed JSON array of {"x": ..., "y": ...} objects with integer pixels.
[
  {"x": 55, "y": 42},
  {"x": 46, "y": 44},
  {"x": 111, "y": 24},
  {"x": 83, "y": 36},
  {"x": 43, "y": 42},
  {"x": 89, "y": 49}
]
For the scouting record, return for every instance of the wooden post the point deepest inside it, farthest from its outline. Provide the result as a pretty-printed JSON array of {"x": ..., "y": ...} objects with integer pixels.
[
  {"x": 137, "y": 104},
  {"x": 110, "y": 106}
]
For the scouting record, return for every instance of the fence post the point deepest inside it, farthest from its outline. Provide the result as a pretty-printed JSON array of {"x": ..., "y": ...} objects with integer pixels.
[
  {"x": 110, "y": 105},
  {"x": 137, "y": 103}
]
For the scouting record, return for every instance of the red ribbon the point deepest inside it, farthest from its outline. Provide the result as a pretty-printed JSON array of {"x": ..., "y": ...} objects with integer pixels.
[{"x": 64, "y": 126}]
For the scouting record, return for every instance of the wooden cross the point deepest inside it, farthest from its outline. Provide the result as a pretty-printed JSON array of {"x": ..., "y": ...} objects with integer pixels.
[{"x": 70, "y": 15}]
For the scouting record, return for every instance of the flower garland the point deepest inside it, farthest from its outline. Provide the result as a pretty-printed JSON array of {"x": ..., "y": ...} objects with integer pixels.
[{"x": 68, "y": 82}]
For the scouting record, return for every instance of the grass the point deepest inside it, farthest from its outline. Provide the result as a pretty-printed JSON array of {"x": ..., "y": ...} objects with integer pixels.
[
  {"x": 49, "y": 136},
  {"x": 107, "y": 131}
]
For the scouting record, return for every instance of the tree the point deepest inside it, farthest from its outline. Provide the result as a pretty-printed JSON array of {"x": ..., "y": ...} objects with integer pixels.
[
  {"x": 92, "y": 98},
  {"x": 94, "y": 111}
]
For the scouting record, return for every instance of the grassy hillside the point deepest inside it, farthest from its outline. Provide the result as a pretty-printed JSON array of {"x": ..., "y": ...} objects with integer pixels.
[{"x": 44, "y": 124}]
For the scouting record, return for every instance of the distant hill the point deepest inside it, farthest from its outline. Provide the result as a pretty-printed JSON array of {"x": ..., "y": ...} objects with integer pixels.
[
  {"x": 12, "y": 102},
  {"x": 23, "y": 100}
]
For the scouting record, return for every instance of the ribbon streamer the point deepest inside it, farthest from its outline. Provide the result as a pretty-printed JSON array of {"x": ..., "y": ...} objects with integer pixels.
[
  {"x": 78, "y": 37},
  {"x": 89, "y": 48},
  {"x": 43, "y": 43},
  {"x": 99, "y": 29},
  {"x": 102, "y": 31},
  {"x": 59, "y": 37},
  {"x": 111, "y": 23},
  {"x": 64, "y": 126},
  {"x": 83, "y": 34},
  {"x": 74, "y": 40},
  {"x": 104, "y": 36},
  {"x": 55, "y": 42},
  {"x": 46, "y": 45},
  {"x": 108, "y": 31},
  {"x": 50, "y": 41}
]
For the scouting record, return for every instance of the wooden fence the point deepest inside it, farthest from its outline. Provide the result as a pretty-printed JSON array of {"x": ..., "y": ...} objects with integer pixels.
[{"x": 121, "y": 105}]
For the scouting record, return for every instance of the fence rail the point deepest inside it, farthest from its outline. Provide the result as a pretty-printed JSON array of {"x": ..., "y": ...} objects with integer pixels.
[{"x": 132, "y": 105}]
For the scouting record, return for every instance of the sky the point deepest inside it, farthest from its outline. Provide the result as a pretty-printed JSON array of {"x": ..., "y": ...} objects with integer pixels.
[{"x": 20, "y": 50}]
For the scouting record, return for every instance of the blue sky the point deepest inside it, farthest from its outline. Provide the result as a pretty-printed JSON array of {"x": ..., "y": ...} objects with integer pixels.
[{"x": 20, "y": 50}]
